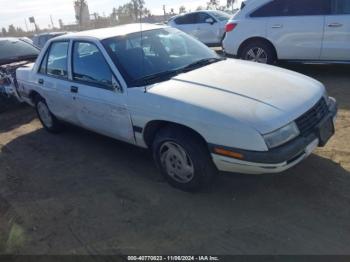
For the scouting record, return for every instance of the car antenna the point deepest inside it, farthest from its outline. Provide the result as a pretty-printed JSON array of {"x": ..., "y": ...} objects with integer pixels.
[{"x": 143, "y": 53}]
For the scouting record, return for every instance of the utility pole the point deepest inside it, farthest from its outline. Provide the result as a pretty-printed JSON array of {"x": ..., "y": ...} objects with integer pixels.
[
  {"x": 53, "y": 26},
  {"x": 81, "y": 12},
  {"x": 164, "y": 10},
  {"x": 25, "y": 22}
]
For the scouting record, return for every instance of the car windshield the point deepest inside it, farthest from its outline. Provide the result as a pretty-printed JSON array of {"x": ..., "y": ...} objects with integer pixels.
[
  {"x": 156, "y": 55},
  {"x": 221, "y": 16},
  {"x": 14, "y": 49}
]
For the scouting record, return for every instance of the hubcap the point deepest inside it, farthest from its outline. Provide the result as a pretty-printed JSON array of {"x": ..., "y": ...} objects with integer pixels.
[
  {"x": 44, "y": 114},
  {"x": 256, "y": 54},
  {"x": 176, "y": 162}
]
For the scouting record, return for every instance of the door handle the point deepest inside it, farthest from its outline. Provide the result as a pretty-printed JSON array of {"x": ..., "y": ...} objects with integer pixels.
[
  {"x": 74, "y": 89},
  {"x": 41, "y": 81},
  {"x": 335, "y": 25},
  {"x": 277, "y": 26}
]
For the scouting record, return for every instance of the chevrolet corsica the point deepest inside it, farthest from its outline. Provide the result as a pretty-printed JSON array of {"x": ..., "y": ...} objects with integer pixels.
[{"x": 158, "y": 88}]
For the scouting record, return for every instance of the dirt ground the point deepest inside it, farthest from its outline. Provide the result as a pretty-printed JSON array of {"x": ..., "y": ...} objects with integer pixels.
[{"x": 81, "y": 193}]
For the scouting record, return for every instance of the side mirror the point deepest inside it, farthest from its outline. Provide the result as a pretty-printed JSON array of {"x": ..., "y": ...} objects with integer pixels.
[
  {"x": 210, "y": 21},
  {"x": 116, "y": 85}
]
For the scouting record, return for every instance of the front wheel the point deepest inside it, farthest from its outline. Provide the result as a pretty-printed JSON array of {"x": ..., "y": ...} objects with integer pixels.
[
  {"x": 183, "y": 159},
  {"x": 260, "y": 52},
  {"x": 47, "y": 119}
]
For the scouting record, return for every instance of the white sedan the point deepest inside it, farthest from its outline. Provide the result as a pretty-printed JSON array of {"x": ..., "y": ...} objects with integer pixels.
[
  {"x": 163, "y": 90},
  {"x": 208, "y": 26}
]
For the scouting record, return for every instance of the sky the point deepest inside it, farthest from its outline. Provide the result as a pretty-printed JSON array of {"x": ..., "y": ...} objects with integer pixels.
[{"x": 17, "y": 11}]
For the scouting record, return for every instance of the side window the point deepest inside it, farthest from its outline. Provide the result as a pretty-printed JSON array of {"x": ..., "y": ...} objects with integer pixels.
[
  {"x": 57, "y": 59},
  {"x": 186, "y": 19},
  {"x": 307, "y": 7},
  {"x": 341, "y": 7},
  {"x": 273, "y": 8},
  {"x": 202, "y": 17},
  {"x": 90, "y": 66},
  {"x": 293, "y": 8},
  {"x": 43, "y": 66},
  {"x": 179, "y": 20}
]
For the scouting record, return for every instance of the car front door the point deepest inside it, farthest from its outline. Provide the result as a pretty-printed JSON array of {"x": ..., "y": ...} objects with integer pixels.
[
  {"x": 336, "y": 42},
  {"x": 54, "y": 83},
  {"x": 207, "y": 28},
  {"x": 99, "y": 97},
  {"x": 187, "y": 24},
  {"x": 295, "y": 27}
]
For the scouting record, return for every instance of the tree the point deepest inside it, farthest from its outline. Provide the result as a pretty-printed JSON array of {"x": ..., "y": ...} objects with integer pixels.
[
  {"x": 132, "y": 11},
  {"x": 199, "y": 8},
  {"x": 11, "y": 30},
  {"x": 182, "y": 9},
  {"x": 4, "y": 32},
  {"x": 230, "y": 3},
  {"x": 213, "y": 4},
  {"x": 138, "y": 8}
]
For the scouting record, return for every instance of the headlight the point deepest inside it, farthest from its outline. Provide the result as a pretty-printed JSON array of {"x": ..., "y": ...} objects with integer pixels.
[
  {"x": 282, "y": 135},
  {"x": 326, "y": 97}
]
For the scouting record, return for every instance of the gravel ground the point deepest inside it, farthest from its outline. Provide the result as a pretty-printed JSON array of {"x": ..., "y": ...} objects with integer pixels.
[{"x": 81, "y": 193}]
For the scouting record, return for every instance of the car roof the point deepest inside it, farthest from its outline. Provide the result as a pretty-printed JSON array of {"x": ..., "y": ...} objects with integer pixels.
[
  {"x": 50, "y": 33},
  {"x": 197, "y": 11},
  {"x": 10, "y": 38},
  {"x": 109, "y": 32}
]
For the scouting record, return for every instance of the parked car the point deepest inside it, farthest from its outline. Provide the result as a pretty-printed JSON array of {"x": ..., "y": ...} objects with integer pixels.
[
  {"x": 301, "y": 30},
  {"x": 207, "y": 26},
  {"x": 27, "y": 39},
  {"x": 161, "y": 89},
  {"x": 14, "y": 53},
  {"x": 41, "y": 39}
]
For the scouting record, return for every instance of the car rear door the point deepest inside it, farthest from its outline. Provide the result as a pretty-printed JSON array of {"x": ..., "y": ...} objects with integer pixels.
[
  {"x": 98, "y": 95},
  {"x": 295, "y": 27},
  {"x": 336, "y": 41},
  {"x": 53, "y": 79}
]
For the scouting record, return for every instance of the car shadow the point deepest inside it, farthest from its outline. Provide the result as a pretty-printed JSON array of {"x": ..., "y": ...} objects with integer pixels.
[
  {"x": 109, "y": 192},
  {"x": 20, "y": 114}
]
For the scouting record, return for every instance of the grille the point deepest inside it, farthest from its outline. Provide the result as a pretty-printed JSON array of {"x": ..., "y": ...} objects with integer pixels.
[{"x": 308, "y": 121}]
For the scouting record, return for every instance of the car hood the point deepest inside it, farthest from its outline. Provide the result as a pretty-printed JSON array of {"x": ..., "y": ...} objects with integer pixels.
[{"x": 263, "y": 97}]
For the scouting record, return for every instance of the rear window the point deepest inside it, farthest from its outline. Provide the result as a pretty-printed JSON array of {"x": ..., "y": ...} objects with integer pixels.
[
  {"x": 10, "y": 49},
  {"x": 293, "y": 8}
]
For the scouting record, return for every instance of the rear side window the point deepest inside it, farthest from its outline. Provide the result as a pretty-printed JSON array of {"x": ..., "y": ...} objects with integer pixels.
[
  {"x": 341, "y": 7},
  {"x": 293, "y": 8},
  {"x": 57, "y": 59},
  {"x": 202, "y": 17},
  {"x": 186, "y": 19},
  {"x": 90, "y": 66}
]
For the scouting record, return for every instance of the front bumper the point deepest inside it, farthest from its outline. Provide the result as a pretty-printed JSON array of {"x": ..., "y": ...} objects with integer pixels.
[{"x": 275, "y": 160}]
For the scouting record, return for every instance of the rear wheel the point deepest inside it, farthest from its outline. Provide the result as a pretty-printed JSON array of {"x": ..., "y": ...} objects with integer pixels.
[
  {"x": 47, "y": 119},
  {"x": 183, "y": 159},
  {"x": 259, "y": 51}
]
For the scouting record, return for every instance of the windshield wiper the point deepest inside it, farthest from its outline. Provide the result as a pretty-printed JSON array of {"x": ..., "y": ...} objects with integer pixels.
[
  {"x": 150, "y": 79},
  {"x": 201, "y": 63}
]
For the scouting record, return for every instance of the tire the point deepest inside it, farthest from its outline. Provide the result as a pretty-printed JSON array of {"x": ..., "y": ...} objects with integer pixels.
[
  {"x": 259, "y": 51},
  {"x": 47, "y": 119},
  {"x": 183, "y": 159}
]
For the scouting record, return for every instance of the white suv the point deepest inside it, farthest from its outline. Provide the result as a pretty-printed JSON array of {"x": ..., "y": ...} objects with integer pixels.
[{"x": 306, "y": 30}]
